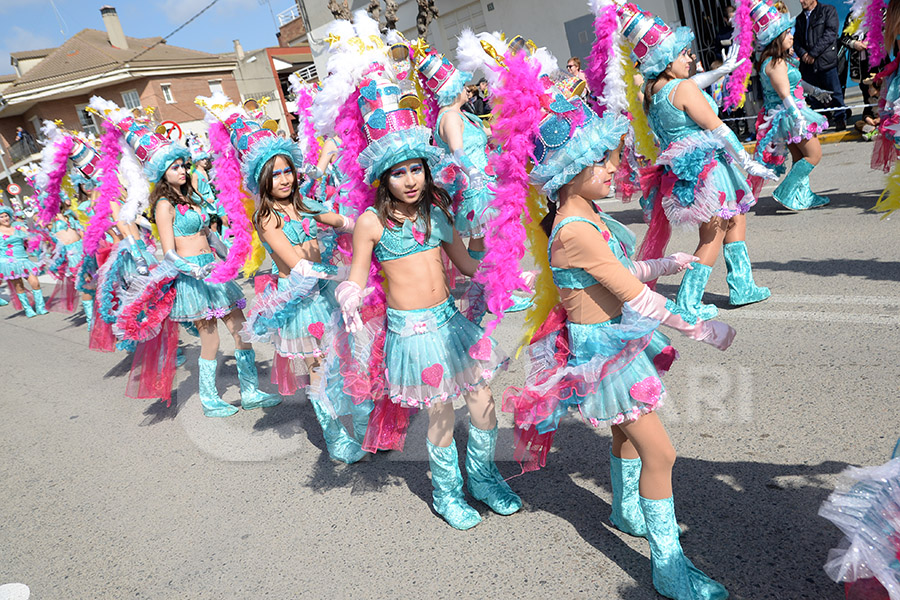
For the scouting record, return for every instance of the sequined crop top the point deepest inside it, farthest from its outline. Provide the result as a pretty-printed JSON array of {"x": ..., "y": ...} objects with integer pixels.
[
  {"x": 669, "y": 123},
  {"x": 397, "y": 242},
  {"x": 65, "y": 221},
  {"x": 188, "y": 221},
  {"x": 619, "y": 239},
  {"x": 771, "y": 99},
  {"x": 302, "y": 230},
  {"x": 12, "y": 246}
]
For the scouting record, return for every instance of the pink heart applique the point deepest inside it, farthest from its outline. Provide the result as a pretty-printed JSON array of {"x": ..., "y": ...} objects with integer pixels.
[
  {"x": 287, "y": 218},
  {"x": 647, "y": 391},
  {"x": 739, "y": 195},
  {"x": 605, "y": 235},
  {"x": 663, "y": 361},
  {"x": 183, "y": 208},
  {"x": 306, "y": 227},
  {"x": 481, "y": 350},
  {"x": 419, "y": 236},
  {"x": 432, "y": 375},
  {"x": 317, "y": 330},
  {"x": 471, "y": 215}
]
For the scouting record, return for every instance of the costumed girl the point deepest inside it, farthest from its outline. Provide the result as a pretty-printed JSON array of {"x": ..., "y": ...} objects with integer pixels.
[
  {"x": 598, "y": 348},
  {"x": 785, "y": 123},
  {"x": 694, "y": 183},
  {"x": 293, "y": 315},
  {"x": 189, "y": 286},
  {"x": 882, "y": 42},
  {"x": 199, "y": 172},
  {"x": 431, "y": 354},
  {"x": 16, "y": 264}
]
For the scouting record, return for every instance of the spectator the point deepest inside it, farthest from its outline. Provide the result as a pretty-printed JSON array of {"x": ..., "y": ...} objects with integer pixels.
[
  {"x": 573, "y": 66},
  {"x": 815, "y": 42},
  {"x": 472, "y": 94},
  {"x": 480, "y": 101},
  {"x": 26, "y": 139}
]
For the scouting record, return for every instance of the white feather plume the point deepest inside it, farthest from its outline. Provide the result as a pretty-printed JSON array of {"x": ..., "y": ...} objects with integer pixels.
[
  {"x": 218, "y": 107},
  {"x": 549, "y": 65},
  {"x": 109, "y": 109},
  {"x": 53, "y": 138},
  {"x": 614, "y": 95},
  {"x": 137, "y": 187}
]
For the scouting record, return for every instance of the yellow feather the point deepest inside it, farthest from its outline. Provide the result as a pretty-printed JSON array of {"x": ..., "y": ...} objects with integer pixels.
[
  {"x": 258, "y": 253},
  {"x": 853, "y": 27},
  {"x": 546, "y": 294},
  {"x": 643, "y": 137},
  {"x": 889, "y": 200}
]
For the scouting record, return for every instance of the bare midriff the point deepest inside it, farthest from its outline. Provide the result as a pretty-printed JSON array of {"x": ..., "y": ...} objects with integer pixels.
[{"x": 416, "y": 281}]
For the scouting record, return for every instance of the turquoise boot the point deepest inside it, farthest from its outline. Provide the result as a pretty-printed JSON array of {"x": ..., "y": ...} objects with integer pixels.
[
  {"x": 485, "y": 482},
  {"x": 741, "y": 287},
  {"x": 88, "y": 307},
  {"x": 340, "y": 445},
  {"x": 26, "y": 305},
  {"x": 794, "y": 192},
  {"x": 690, "y": 293},
  {"x": 447, "y": 481},
  {"x": 213, "y": 406},
  {"x": 251, "y": 396},
  {"x": 626, "y": 516},
  {"x": 179, "y": 357},
  {"x": 360, "y": 415},
  {"x": 674, "y": 576},
  {"x": 39, "y": 307},
  {"x": 3, "y": 301}
]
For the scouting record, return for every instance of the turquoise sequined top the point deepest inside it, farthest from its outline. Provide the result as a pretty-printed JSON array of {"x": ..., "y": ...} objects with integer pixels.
[
  {"x": 619, "y": 239},
  {"x": 475, "y": 140},
  {"x": 303, "y": 230},
  {"x": 12, "y": 246},
  {"x": 398, "y": 242},
  {"x": 669, "y": 123},
  {"x": 771, "y": 99}
]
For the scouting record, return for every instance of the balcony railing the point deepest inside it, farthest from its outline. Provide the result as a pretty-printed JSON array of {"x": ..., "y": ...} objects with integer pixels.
[
  {"x": 23, "y": 149},
  {"x": 286, "y": 16}
]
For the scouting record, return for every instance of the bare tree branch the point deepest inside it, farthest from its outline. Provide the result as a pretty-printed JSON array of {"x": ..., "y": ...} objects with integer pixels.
[
  {"x": 339, "y": 10},
  {"x": 390, "y": 14},
  {"x": 427, "y": 12}
]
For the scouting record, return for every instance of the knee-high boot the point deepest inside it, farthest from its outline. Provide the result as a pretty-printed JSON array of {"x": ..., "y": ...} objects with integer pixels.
[
  {"x": 88, "y": 307},
  {"x": 625, "y": 475},
  {"x": 251, "y": 396},
  {"x": 485, "y": 481},
  {"x": 741, "y": 287},
  {"x": 690, "y": 293},
  {"x": 39, "y": 307},
  {"x": 213, "y": 405},
  {"x": 341, "y": 446},
  {"x": 794, "y": 192},
  {"x": 26, "y": 304},
  {"x": 674, "y": 576},
  {"x": 447, "y": 481}
]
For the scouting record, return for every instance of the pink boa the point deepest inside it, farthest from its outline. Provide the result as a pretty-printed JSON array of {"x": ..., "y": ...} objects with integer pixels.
[
  {"x": 518, "y": 95},
  {"x": 605, "y": 26},
  {"x": 228, "y": 181},
  {"x": 349, "y": 126},
  {"x": 874, "y": 31},
  {"x": 431, "y": 108},
  {"x": 54, "y": 180},
  {"x": 304, "y": 113},
  {"x": 736, "y": 84},
  {"x": 654, "y": 182},
  {"x": 110, "y": 190}
]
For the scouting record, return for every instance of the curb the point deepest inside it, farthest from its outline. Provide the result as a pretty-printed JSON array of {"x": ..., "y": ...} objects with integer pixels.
[{"x": 833, "y": 137}]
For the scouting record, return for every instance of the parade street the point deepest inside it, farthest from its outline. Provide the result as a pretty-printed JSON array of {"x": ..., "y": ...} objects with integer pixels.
[{"x": 109, "y": 497}]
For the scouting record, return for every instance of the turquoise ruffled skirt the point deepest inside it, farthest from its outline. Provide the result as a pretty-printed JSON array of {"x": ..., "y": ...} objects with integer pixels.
[
  {"x": 436, "y": 354},
  {"x": 611, "y": 373},
  {"x": 776, "y": 128},
  {"x": 197, "y": 300},
  {"x": 17, "y": 268},
  {"x": 474, "y": 210}
]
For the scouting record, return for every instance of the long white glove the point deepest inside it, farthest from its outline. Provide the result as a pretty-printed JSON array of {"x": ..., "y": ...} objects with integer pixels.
[
  {"x": 217, "y": 244},
  {"x": 188, "y": 268},
  {"x": 818, "y": 93},
  {"x": 476, "y": 175},
  {"x": 652, "y": 305},
  {"x": 736, "y": 149},
  {"x": 348, "y": 225},
  {"x": 648, "y": 270},
  {"x": 307, "y": 268},
  {"x": 790, "y": 105},
  {"x": 350, "y": 297},
  {"x": 730, "y": 62}
]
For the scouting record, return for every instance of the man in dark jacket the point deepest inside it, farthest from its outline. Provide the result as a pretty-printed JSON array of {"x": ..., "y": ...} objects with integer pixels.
[{"x": 815, "y": 43}]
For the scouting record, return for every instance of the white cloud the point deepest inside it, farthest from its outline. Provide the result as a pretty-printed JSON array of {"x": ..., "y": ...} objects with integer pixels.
[{"x": 18, "y": 39}]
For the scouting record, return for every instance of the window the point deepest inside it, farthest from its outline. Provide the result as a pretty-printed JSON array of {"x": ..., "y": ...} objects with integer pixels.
[
  {"x": 36, "y": 123},
  {"x": 167, "y": 93},
  {"x": 131, "y": 100},
  {"x": 307, "y": 73},
  {"x": 86, "y": 120},
  {"x": 215, "y": 85}
]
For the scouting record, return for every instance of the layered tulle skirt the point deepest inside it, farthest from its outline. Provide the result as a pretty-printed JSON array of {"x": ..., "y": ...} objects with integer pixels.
[
  {"x": 196, "y": 299},
  {"x": 473, "y": 211},
  {"x": 776, "y": 127},
  {"x": 697, "y": 180},
  {"x": 17, "y": 268}
]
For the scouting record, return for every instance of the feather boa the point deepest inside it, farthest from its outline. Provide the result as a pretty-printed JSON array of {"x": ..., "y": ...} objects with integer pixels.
[
  {"x": 258, "y": 253},
  {"x": 304, "y": 113},
  {"x": 137, "y": 188},
  {"x": 546, "y": 294},
  {"x": 349, "y": 126},
  {"x": 889, "y": 200},
  {"x": 53, "y": 165},
  {"x": 517, "y": 105},
  {"x": 109, "y": 189},
  {"x": 605, "y": 75},
  {"x": 228, "y": 181},
  {"x": 140, "y": 320},
  {"x": 736, "y": 84},
  {"x": 873, "y": 25},
  {"x": 644, "y": 143}
]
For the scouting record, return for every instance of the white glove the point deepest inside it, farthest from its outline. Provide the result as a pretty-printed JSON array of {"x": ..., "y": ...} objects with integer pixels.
[
  {"x": 348, "y": 225},
  {"x": 652, "y": 305},
  {"x": 734, "y": 147},
  {"x": 730, "y": 62},
  {"x": 530, "y": 278},
  {"x": 476, "y": 175},
  {"x": 350, "y": 297},
  {"x": 790, "y": 105},
  {"x": 189, "y": 268},
  {"x": 648, "y": 270}
]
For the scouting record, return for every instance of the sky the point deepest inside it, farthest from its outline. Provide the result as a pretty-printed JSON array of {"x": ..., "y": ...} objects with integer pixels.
[{"x": 33, "y": 24}]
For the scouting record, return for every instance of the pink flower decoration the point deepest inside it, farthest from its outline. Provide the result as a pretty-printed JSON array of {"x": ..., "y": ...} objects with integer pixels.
[
  {"x": 647, "y": 391},
  {"x": 432, "y": 375},
  {"x": 241, "y": 303},
  {"x": 420, "y": 327}
]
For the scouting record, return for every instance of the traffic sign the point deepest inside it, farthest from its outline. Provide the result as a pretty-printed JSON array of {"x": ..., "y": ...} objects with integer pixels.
[
  {"x": 170, "y": 129},
  {"x": 13, "y": 189}
]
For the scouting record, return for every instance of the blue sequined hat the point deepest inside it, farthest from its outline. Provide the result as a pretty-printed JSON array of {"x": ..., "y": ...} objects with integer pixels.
[
  {"x": 572, "y": 137},
  {"x": 768, "y": 23},
  {"x": 656, "y": 46}
]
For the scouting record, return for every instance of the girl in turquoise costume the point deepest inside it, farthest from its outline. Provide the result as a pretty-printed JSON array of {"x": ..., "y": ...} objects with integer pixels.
[
  {"x": 15, "y": 264},
  {"x": 292, "y": 315},
  {"x": 697, "y": 183},
  {"x": 596, "y": 346},
  {"x": 200, "y": 165},
  {"x": 785, "y": 123},
  {"x": 68, "y": 257},
  {"x": 422, "y": 353}
]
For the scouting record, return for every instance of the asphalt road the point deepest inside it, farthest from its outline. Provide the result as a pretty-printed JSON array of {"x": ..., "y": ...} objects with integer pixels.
[{"x": 107, "y": 497}]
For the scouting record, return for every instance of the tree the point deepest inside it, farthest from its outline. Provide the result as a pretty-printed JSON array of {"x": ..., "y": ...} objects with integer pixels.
[
  {"x": 374, "y": 10},
  {"x": 427, "y": 12},
  {"x": 390, "y": 14},
  {"x": 339, "y": 10}
]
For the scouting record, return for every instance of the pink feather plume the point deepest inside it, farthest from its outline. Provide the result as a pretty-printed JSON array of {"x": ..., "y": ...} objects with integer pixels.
[
  {"x": 51, "y": 203},
  {"x": 110, "y": 189},
  {"x": 605, "y": 26},
  {"x": 875, "y": 31},
  {"x": 228, "y": 181},
  {"x": 349, "y": 126},
  {"x": 518, "y": 96},
  {"x": 304, "y": 113},
  {"x": 736, "y": 84}
]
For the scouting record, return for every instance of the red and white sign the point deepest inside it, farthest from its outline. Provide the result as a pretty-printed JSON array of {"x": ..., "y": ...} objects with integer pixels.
[
  {"x": 13, "y": 189},
  {"x": 172, "y": 130}
]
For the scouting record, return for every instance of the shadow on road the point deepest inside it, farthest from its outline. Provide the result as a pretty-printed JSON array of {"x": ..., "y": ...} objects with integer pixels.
[{"x": 864, "y": 201}]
